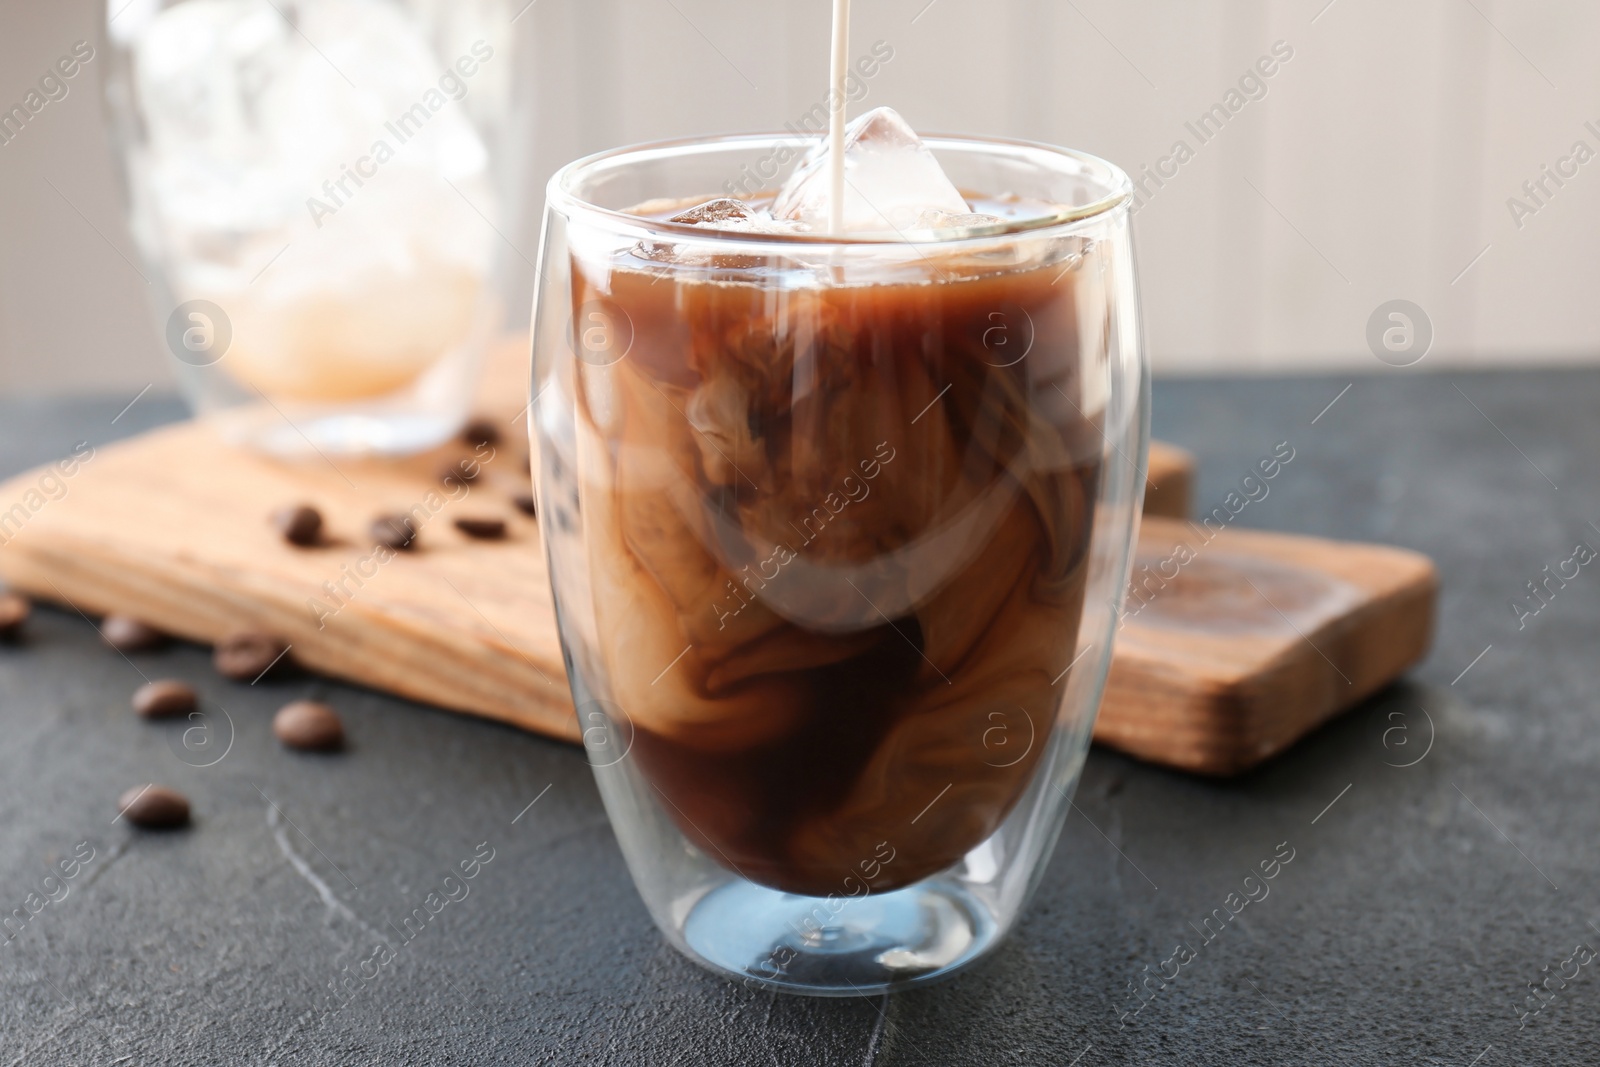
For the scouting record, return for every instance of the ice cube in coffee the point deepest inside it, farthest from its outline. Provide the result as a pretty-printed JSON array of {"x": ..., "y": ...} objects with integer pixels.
[{"x": 838, "y": 525}]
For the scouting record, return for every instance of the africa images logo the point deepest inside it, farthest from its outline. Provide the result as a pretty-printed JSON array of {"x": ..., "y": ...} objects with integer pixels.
[
  {"x": 1400, "y": 333},
  {"x": 199, "y": 333}
]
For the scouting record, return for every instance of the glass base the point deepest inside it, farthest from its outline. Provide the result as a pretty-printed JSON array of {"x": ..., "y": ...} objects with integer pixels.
[
  {"x": 269, "y": 430},
  {"x": 839, "y": 946},
  {"x": 416, "y": 417}
]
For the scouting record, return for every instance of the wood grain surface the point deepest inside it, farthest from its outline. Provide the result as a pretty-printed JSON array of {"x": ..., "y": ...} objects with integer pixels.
[
  {"x": 173, "y": 527},
  {"x": 1236, "y": 643}
]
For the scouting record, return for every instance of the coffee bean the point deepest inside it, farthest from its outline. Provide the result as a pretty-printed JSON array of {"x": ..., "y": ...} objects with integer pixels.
[
  {"x": 245, "y": 657},
  {"x": 481, "y": 431},
  {"x": 127, "y": 634},
  {"x": 482, "y": 529},
  {"x": 14, "y": 611},
  {"x": 394, "y": 531},
  {"x": 526, "y": 504},
  {"x": 164, "y": 699},
  {"x": 155, "y": 807},
  {"x": 300, "y": 525},
  {"x": 308, "y": 725}
]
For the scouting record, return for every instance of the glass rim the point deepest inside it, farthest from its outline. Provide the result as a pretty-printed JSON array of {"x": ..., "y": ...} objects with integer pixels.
[{"x": 560, "y": 195}]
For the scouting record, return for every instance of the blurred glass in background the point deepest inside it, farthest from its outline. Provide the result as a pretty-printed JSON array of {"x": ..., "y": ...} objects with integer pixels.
[{"x": 309, "y": 182}]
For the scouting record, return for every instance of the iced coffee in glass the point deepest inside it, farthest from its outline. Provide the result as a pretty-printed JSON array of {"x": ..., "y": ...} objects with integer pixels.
[{"x": 836, "y": 502}]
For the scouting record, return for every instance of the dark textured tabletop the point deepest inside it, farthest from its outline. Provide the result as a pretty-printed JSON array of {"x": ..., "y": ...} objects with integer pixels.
[{"x": 1443, "y": 835}]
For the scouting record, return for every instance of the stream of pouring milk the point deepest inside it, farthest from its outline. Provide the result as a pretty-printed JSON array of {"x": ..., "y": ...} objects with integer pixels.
[{"x": 837, "y": 115}]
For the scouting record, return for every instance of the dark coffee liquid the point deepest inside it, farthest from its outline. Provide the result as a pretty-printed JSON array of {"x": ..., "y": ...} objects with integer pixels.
[{"x": 838, "y": 537}]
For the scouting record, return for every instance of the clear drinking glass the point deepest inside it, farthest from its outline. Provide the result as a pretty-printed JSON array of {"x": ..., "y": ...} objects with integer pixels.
[
  {"x": 838, "y": 529},
  {"x": 316, "y": 188}
]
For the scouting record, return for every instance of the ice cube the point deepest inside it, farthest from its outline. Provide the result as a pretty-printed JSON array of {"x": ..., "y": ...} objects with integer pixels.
[
  {"x": 940, "y": 220},
  {"x": 715, "y": 211},
  {"x": 727, "y": 216},
  {"x": 736, "y": 216},
  {"x": 891, "y": 179},
  {"x": 326, "y": 163}
]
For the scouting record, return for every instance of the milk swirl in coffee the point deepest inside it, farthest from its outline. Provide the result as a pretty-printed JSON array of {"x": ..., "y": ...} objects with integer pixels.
[{"x": 839, "y": 529}]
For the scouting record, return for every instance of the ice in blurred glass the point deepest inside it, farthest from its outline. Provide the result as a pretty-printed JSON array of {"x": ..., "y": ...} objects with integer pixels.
[{"x": 315, "y": 185}]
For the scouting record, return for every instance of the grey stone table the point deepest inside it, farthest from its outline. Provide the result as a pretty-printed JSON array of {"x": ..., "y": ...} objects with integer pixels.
[{"x": 1420, "y": 903}]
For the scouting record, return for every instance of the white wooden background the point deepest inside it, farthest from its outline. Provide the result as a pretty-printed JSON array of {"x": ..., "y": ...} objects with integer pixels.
[{"x": 1378, "y": 165}]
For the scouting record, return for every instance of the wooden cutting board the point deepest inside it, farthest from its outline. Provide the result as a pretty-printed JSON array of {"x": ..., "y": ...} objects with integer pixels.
[
  {"x": 1255, "y": 640},
  {"x": 1168, "y": 482},
  {"x": 172, "y": 527}
]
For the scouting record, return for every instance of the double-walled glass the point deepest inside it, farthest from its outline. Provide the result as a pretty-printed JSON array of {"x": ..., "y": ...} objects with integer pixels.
[
  {"x": 318, "y": 188},
  {"x": 837, "y": 530}
]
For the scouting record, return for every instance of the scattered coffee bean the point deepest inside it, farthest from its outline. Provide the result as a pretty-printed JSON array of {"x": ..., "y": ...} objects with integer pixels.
[
  {"x": 245, "y": 657},
  {"x": 14, "y": 611},
  {"x": 460, "y": 473},
  {"x": 300, "y": 525},
  {"x": 481, "y": 431},
  {"x": 155, "y": 807},
  {"x": 526, "y": 504},
  {"x": 308, "y": 725},
  {"x": 164, "y": 699},
  {"x": 482, "y": 529},
  {"x": 394, "y": 531},
  {"x": 127, "y": 634}
]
